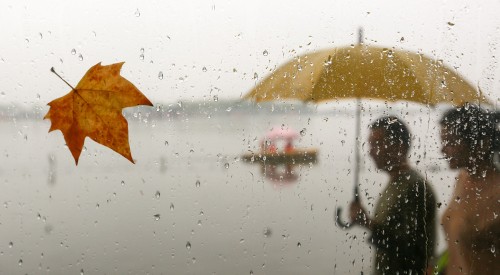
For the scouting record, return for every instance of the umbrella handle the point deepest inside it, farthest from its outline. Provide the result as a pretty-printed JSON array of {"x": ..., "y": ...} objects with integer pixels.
[{"x": 340, "y": 223}]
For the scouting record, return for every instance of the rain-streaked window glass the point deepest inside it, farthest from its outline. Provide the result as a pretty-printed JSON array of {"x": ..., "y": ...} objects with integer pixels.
[{"x": 261, "y": 137}]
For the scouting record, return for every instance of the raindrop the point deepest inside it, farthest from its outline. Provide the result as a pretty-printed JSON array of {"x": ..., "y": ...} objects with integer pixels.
[
  {"x": 157, "y": 195},
  {"x": 265, "y": 53},
  {"x": 267, "y": 232},
  {"x": 492, "y": 248},
  {"x": 157, "y": 217},
  {"x": 73, "y": 51},
  {"x": 197, "y": 183},
  {"x": 160, "y": 75},
  {"x": 216, "y": 98},
  {"x": 255, "y": 75},
  {"x": 204, "y": 69},
  {"x": 299, "y": 244},
  {"x": 80, "y": 57},
  {"x": 451, "y": 24},
  {"x": 137, "y": 13},
  {"x": 226, "y": 165},
  {"x": 188, "y": 245},
  {"x": 303, "y": 132},
  {"x": 81, "y": 271},
  {"x": 11, "y": 244},
  {"x": 20, "y": 262},
  {"x": 172, "y": 207},
  {"x": 123, "y": 183},
  {"x": 141, "y": 57},
  {"x": 41, "y": 35},
  {"x": 251, "y": 272}
]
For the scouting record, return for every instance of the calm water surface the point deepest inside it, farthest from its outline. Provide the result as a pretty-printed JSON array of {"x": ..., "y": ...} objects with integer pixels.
[{"x": 189, "y": 205}]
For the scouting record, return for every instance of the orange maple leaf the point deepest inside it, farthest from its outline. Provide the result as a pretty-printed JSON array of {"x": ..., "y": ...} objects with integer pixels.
[{"x": 94, "y": 109}]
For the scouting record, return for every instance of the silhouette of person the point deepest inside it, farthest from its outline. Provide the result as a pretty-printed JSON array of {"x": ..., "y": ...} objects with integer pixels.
[
  {"x": 471, "y": 223},
  {"x": 403, "y": 225}
]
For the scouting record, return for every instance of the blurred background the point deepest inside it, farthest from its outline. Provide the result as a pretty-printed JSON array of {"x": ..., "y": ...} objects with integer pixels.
[{"x": 190, "y": 204}]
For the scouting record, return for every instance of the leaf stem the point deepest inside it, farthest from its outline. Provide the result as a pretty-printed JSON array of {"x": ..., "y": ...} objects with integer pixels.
[{"x": 52, "y": 70}]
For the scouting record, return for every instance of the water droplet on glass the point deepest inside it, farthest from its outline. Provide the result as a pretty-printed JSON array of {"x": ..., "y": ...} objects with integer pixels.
[
  {"x": 73, "y": 51},
  {"x": 492, "y": 249},
  {"x": 81, "y": 271},
  {"x": 255, "y": 75},
  {"x": 11, "y": 244},
  {"x": 226, "y": 165},
  {"x": 299, "y": 244},
  {"x": 157, "y": 217},
  {"x": 172, "y": 207},
  {"x": 157, "y": 194},
  {"x": 197, "y": 183},
  {"x": 137, "y": 13},
  {"x": 123, "y": 183},
  {"x": 216, "y": 98},
  {"x": 251, "y": 272},
  {"x": 204, "y": 69},
  {"x": 141, "y": 57},
  {"x": 188, "y": 245},
  {"x": 160, "y": 75},
  {"x": 303, "y": 132},
  {"x": 80, "y": 57},
  {"x": 265, "y": 53},
  {"x": 20, "y": 262},
  {"x": 267, "y": 232}
]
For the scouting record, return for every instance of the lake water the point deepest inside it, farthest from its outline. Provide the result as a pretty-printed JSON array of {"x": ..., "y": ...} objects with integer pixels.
[{"x": 189, "y": 205}]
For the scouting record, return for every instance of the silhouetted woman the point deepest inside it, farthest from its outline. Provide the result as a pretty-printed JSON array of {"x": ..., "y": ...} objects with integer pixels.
[{"x": 471, "y": 222}]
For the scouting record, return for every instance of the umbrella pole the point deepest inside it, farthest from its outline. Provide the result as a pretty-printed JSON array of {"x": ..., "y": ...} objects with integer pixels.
[
  {"x": 340, "y": 223},
  {"x": 357, "y": 158}
]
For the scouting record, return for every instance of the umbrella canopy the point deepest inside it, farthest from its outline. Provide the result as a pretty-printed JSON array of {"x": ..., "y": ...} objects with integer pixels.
[{"x": 362, "y": 71}]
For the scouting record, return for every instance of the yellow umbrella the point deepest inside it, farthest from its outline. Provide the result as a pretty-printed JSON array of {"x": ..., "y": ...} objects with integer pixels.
[{"x": 361, "y": 71}]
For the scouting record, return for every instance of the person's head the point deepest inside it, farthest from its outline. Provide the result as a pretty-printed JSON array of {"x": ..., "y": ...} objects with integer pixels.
[
  {"x": 468, "y": 136},
  {"x": 389, "y": 142}
]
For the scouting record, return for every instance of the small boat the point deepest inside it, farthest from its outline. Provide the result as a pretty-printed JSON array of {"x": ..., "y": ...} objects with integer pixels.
[
  {"x": 298, "y": 156},
  {"x": 270, "y": 153}
]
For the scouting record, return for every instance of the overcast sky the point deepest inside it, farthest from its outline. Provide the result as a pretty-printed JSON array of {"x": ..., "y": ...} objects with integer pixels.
[{"x": 212, "y": 48}]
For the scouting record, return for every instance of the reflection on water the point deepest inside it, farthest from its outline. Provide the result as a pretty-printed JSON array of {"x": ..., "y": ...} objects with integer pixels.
[
  {"x": 106, "y": 216},
  {"x": 283, "y": 173}
]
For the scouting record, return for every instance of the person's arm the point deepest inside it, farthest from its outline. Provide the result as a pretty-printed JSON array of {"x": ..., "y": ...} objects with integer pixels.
[{"x": 359, "y": 216}]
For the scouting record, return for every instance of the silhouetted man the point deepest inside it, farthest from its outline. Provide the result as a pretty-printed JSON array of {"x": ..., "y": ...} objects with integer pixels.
[{"x": 403, "y": 225}]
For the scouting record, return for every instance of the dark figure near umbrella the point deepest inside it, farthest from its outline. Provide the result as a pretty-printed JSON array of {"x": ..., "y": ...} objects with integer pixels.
[
  {"x": 403, "y": 225},
  {"x": 471, "y": 222}
]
